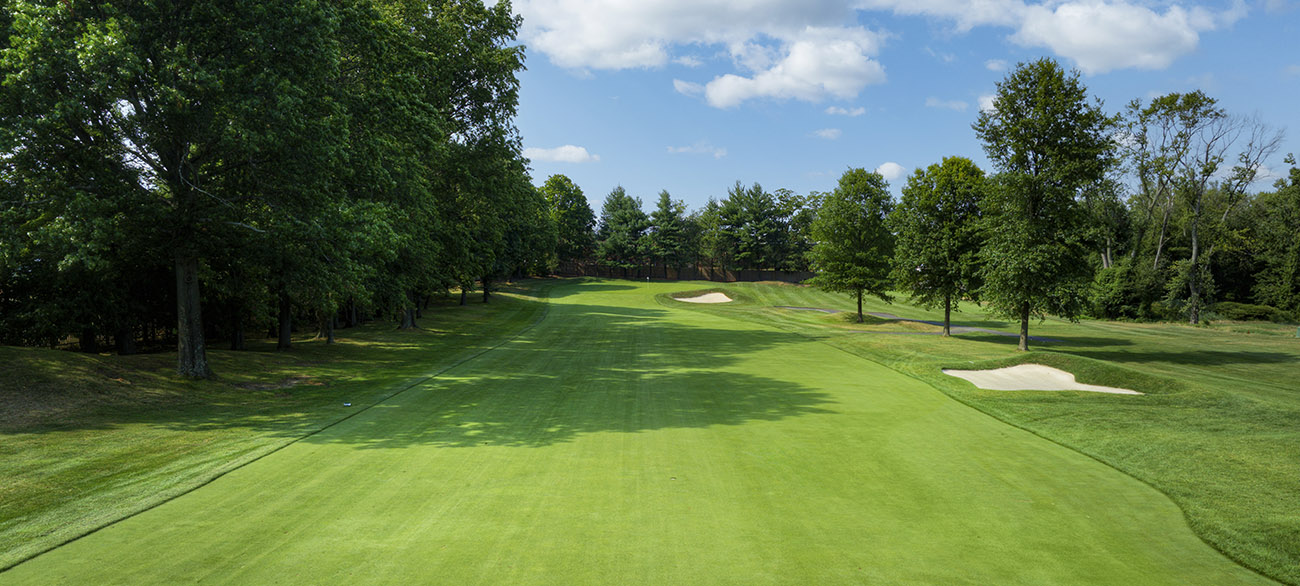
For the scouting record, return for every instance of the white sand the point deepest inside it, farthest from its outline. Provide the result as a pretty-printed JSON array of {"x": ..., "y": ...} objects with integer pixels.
[
  {"x": 706, "y": 298},
  {"x": 1030, "y": 377}
]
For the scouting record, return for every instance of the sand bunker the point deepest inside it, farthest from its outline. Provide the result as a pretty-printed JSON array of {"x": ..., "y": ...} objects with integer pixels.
[
  {"x": 706, "y": 298},
  {"x": 1030, "y": 377}
]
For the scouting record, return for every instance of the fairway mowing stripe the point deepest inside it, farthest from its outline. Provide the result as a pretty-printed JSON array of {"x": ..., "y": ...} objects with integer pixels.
[{"x": 546, "y": 309}]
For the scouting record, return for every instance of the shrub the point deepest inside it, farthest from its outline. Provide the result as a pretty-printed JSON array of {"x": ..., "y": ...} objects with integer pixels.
[{"x": 1247, "y": 312}]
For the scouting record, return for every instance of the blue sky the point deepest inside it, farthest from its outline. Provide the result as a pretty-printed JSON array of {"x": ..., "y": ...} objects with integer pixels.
[{"x": 692, "y": 95}]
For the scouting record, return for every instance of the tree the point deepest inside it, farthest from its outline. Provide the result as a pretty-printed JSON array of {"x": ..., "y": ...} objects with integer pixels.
[
  {"x": 622, "y": 226},
  {"x": 574, "y": 220},
  {"x": 756, "y": 226},
  {"x": 853, "y": 246},
  {"x": 1179, "y": 144},
  {"x": 799, "y": 211},
  {"x": 1278, "y": 283},
  {"x": 666, "y": 239},
  {"x": 1049, "y": 144},
  {"x": 716, "y": 244},
  {"x": 938, "y": 229},
  {"x": 186, "y": 101}
]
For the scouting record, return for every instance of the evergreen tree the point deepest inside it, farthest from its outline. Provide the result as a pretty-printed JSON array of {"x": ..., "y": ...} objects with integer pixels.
[{"x": 622, "y": 227}]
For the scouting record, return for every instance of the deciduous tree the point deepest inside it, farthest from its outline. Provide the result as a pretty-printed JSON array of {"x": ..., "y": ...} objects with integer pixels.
[
  {"x": 853, "y": 245},
  {"x": 937, "y": 223},
  {"x": 1050, "y": 142}
]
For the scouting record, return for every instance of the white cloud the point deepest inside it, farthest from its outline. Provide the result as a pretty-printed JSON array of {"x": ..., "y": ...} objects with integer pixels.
[
  {"x": 617, "y": 34},
  {"x": 564, "y": 154},
  {"x": 1098, "y": 35},
  {"x": 986, "y": 102},
  {"x": 995, "y": 65},
  {"x": 891, "y": 171},
  {"x": 816, "y": 49},
  {"x": 850, "y": 112},
  {"x": 827, "y": 133},
  {"x": 1101, "y": 37},
  {"x": 957, "y": 105},
  {"x": 819, "y": 63},
  {"x": 701, "y": 147},
  {"x": 688, "y": 88}
]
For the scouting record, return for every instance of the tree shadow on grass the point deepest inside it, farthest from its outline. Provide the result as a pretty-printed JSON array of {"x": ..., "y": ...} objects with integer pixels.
[
  {"x": 588, "y": 286},
  {"x": 525, "y": 410},
  {"x": 586, "y": 369}
]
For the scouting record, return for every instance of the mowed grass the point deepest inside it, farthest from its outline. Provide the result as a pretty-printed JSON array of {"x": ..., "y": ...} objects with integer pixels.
[
  {"x": 86, "y": 440},
  {"x": 626, "y": 439},
  {"x": 1218, "y": 431}
]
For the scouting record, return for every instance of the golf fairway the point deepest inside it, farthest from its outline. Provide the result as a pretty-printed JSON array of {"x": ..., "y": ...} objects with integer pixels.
[{"x": 622, "y": 440}]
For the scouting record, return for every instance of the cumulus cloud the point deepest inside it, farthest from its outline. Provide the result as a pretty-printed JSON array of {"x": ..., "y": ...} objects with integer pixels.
[
  {"x": 827, "y": 133},
  {"x": 701, "y": 147},
  {"x": 957, "y": 105},
  {"x": 986, "y": 102},
  {"x": 819, "y": 63},
  {"x": 1098, "y": 35},
  {"x": 1101, "y": 36},
  {"x": 995, "y": 65},
  {"x": 817, "y": 49},
  {"x": 850, "y": 112},
  {"x": 563, "y": 154},
  {"x": 891, "y": 171}
]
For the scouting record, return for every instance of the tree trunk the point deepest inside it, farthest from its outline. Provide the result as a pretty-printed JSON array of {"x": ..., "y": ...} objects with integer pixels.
[
  {"x": 487, "y": 288},
  {"x": 352, "y": 314},
  {"x": 947, "y": 315},
  {"x": 191, "y": 350},
  {"x": 124, "y": 339},
  {"x": 285, "y": 340},
  {"x": 88, "y": 342},
  {"x": 1024, "y": 327},
  {"x": 419, "y": 305},
  {"x": 859, "y": 305},
  {"x": 237, "y": 341},
  {"x": 464, "y": 292},
  {"x": 329, "y": 328},
  {"x": 1194, "y": 277}
]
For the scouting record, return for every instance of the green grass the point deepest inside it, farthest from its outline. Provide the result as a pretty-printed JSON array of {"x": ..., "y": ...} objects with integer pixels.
[
  {"x": 1219, "y": 429},
  {"x": 629, "y": 438},
  {"x": 86, "y": 440}
]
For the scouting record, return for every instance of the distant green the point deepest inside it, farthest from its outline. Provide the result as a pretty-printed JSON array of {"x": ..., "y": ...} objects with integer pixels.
[{"x": 629, "y": 438}]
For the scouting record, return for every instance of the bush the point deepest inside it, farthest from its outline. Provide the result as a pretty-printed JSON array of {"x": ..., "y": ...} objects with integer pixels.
[{"x": 1247, "y": 312}]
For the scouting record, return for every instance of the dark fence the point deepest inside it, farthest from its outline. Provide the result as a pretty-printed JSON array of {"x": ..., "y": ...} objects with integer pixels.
[{"x": 695, "y": 273}]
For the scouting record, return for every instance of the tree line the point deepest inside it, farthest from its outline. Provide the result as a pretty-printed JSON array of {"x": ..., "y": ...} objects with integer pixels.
[
  {"x": 186, "y": 171},
  {"x": 1145, "y": 214}
]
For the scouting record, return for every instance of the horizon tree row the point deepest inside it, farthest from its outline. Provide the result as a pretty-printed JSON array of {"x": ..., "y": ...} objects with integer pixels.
[
  {"x": 1141, "y": 215},
  {"x": 194, "y": 169}
]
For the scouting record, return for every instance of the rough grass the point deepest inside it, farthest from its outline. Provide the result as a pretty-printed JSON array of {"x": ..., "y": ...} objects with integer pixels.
[
  {"x": 1218, "y": 430},
  {"x": 86, "y": 440}
]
